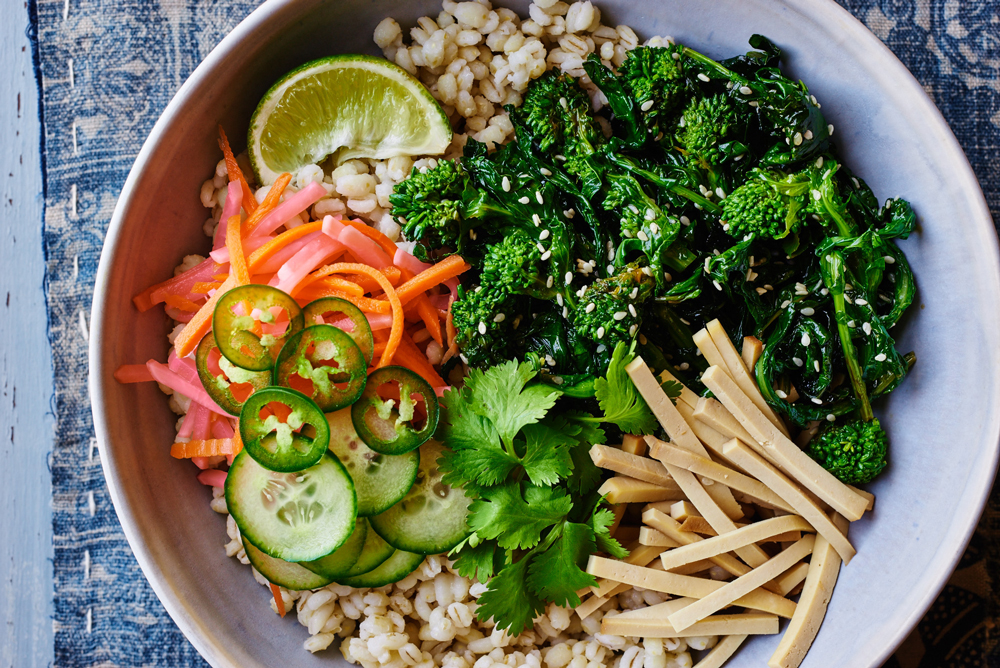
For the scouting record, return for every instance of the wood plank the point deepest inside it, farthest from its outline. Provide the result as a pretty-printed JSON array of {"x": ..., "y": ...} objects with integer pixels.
[
  {"x": 794, "y": 461},
  {"x": 803, "y": 505}
]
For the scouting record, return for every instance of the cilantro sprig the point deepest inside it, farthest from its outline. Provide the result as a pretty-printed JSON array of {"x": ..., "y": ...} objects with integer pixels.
[{"x": 536, "y": 516}]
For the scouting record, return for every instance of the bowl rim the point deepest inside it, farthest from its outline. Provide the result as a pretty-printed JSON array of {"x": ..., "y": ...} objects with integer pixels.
[{"x": 942, "y": 563}]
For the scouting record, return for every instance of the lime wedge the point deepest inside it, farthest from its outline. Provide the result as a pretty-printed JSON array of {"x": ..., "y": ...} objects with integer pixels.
[{"x": 348, "y": 106}]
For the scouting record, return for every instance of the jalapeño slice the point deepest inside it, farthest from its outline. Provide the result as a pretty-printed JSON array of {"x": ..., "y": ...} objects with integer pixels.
[
  {"x": 323, "y": 363},
  {"x": 252, "y": 322},
  {"x": 344, "y": 315},
  {"x": 227, "y": 384},
  {"x": 283, "y": 430},
  {"x": 397, "y": 412}
]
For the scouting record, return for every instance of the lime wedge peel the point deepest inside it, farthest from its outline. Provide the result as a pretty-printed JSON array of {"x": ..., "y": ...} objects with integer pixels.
[{"x": 349, "y": 106}]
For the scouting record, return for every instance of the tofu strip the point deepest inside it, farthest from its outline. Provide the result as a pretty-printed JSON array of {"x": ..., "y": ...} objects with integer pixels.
[
  {"x": 669, "y": 527},
  {"x": 622, "y": 489},
  {"x": 721, "y": 652},
  {"x": 793, "y": 577},
  {"x": 633, "y": 466},
  {"x": 751, "y": 533},
  {"x": 715, "y": 415},
  {"x": 752, "y": 350},
  {"x": 668, "y": 454},
  {"x": 654, "y": 538},
  {"x": 634, "y": 445},
  {"x": 824, "y": 567},
  {"x": 797, "y": 463},
  {"x": 650, "y": 627},
  {"x": 804, "y": 506},
  {"x": 744, "y": 585},
  {"x": 590, "y": 606},
  {"x": 639, "y": 555},
  {"x": 740, "y": 375},
  {"x": 678, "y": 429}
]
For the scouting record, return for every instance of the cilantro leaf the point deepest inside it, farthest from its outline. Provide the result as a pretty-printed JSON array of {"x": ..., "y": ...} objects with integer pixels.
[
  {"x": 557, "y": 573},
  {"x": 509, "y": 600},
  {"x": 547, "y": 457},
  {"x": 586, "y": 476},
  {"x": 517, "y": 522},
  {"x": 601, "y": 522},
  {"x": 499, "y": 394},
  {"x": 476, "y": 454},
  {"x": 480, "y": 561},
  {"x": 620, "y": 400},
  {"x": 672, "y": 389}
]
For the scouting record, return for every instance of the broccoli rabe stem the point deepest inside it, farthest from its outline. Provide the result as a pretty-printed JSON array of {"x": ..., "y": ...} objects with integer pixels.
[
  {"x": 832, "y": 267},
  {"x": 667, "y": 184}
]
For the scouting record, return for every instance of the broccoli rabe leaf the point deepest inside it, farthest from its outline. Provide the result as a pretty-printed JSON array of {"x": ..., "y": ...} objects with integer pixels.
[
  {"x": 509, "y": 600},
  {"x": 620, "y": 400},
  {"x": 557, "y": 573},
  {"x": 516, "y": 521},
  {"x": 499, "y": 393}
]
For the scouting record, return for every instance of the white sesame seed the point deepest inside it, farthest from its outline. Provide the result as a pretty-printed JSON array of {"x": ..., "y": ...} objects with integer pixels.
[
  {"x": 829, "y": 129},
  {"x": 524, "y": 200},
  {"x": 634, "y": 293},
  {"x": 686, "y": 322},
  {"x": 817, "y": 195},
  {"x": 708, "y": 260},
  {"x": 754, "y": 103},
  {"x": 631, "y": 309},
  {"x": 564, "y": 103},
  {"x": 465, "y": 360},
  {"x": 746, "y": 90},
  {"x": 781, "y": 395},
  {"x": 482, "y": 328},
  {"x": 536, "y": 220},
  {"x": 600, "y": 332},
  {"x": 642, "y": 236},
  {"x": 685, "y": 221},
  {"x": 647, "y": 105},
  {"x": 538, "y": 196},
  {"x": 848, "y": 299},
  {"x": 559, "y": 299},
  {"x": 654, "y": 228},
  {"x": 626, "y": 232},
  {"x": 667, "y": 277},
  {"x": 831, "y": 417},
  {"x": 808, "y": 134},
  {"x": 568, "y": 278},
  {"x": 590, "y": 307},
  {"x": 549, "y": 281},
  {"x": 807, "y": 311},
  {"x": 540, "y": 247},
  {"x": 505, "y": 184},
  {"x": 786, "y": 303},
  {"x": 581, "y": 292},
  {"x": 544, "y": 235},
  {"x": 720, "y": 193},
  {"x": 650, "y": 214},
  {"x": 611, "y": 268},
  {"x": 880, "y": 357},
  {"x": 824, "y": 292},
  {"x": 569, "y": 213},
  {"x": 546, "y": 255},
  {"x": 472, "y": 234},
  {"x": 867, "y": 328},
  {"x": 816, "y": 365},
  {"x": 805, "y": 339},
  {"x": 684, "y": 366},
  {"x": 647, "y": 271},
  {"x": 717, "y": 285},
  {"x": 761, "y": 291},
  {"x": 701, "y": 75},
  {"x": 819, "y": 162},
  {"x": 725, "y": 227},
  {"x": 545, "y": 172},
  {"x": 634, "y": 209},
  {"x": 817, "y": 401},
  {"x": 619, "y": 315},
  {"x": 889, "y": 259},
  {"x": 499, "y": 317},
  {"x": 797, "y": 361},
  {"x": 850, "y": 323},
  {"x": 861, "y": 302},
  {"x": 632, "y": 330},
  {"x": 479, "y": 288},
  {"x": 560, "y": 158},
  {"x": 601, "y": 348},
  {"x": 557, "y": 380}
]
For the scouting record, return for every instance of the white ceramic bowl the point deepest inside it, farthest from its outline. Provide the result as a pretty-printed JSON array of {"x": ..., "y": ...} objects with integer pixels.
[{"x": 942, "y": 420}]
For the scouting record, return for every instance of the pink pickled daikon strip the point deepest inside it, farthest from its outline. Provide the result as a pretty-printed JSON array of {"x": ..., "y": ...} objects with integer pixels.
[
  {"x": 404, "y": 260},
  {"x": 198, "y": 416},
  {"x": 364, "y": 248},
  {"x": 178, "y": 315},
  {"x": 162, "y": 374},
  {"x": 306, "y": 260},
  {"x": 273, "y": 263},
  {"x": 222, "y": 429},
  {"x": 277, "y": 326},
  {"x": 208, "y": 463},
  {"x": 332, "y": 227},
  {"x": 379, "y": 320},
  {"x": 291, "y": 207},
  {"x": 441, "y": 302},
  {"x": 185, "y": 368},
  {"x": 234, "y": 201},
  {"x": 212, "y": 478},
  {"x": 250, "y": 244},
  {"x": 181, "y": 284}
]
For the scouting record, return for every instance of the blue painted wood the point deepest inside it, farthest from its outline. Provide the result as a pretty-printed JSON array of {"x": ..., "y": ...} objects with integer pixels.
[{"x": 26, "y": 422}]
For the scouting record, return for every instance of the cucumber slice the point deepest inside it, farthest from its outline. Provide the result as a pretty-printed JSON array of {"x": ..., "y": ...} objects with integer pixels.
[
  {"x": 374, "y": 554},
  {"x": 393, "y": 569},
  {"x": 339, "y": 562},
  {"x": 283, "y": 573},
  {"x": 431, "y": 518},
  {"x": 379, "y": 480},
  {"x": 298, "y": 516}
]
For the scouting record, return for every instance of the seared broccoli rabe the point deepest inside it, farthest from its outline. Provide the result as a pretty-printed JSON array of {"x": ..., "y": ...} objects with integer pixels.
[
  {"x": 708, "y": 129},
  {"x": 656, "y": 77},
  {"x": 514, "y": 265},
  {"x": 854, "y": 452},
  {"x": 762, "y": 208},
  {"x": 484, "y": 318},
  {"x": 609, "y": 310},
  {"x": 557, "y": 117}
]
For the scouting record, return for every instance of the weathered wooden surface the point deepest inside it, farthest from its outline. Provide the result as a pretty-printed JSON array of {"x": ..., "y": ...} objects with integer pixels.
[{"x": 26, "y": 425}]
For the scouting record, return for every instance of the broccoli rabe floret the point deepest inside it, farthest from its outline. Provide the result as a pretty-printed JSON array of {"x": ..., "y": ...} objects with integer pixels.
[
  {"x": 705, "y": 126},
  {"x": 514, "y": 265},
  {"x": 854, "y": 452},
  {"x": 657, "y": 79},
  {"x": 760, "y": 208},
  {"x": 484, "y": 318},
  {"x": 609, "y": 310},
  {"x": 429, "y": 205},
  {"x": 636, "y": 209},
  {"x": 557, "y": 116}
]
